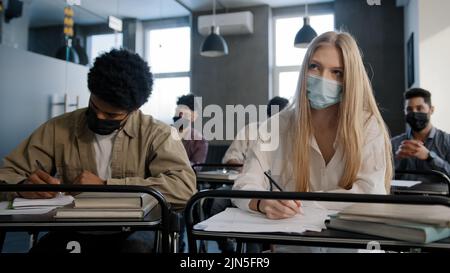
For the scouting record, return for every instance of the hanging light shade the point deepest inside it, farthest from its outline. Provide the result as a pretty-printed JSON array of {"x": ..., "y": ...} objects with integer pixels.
[
  {"x": 306, "y": 34},
  {"x": 214, "y": 45}
]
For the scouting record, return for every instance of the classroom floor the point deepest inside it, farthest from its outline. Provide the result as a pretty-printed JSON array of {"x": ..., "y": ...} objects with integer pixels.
[{"x": 18, "y": 242}]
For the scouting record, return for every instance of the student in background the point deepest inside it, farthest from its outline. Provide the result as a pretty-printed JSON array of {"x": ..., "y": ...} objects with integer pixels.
[
  {"x": 422, "y": 146},
  {"x": 237, "y": 152},
  {"x": 111, "y": 142},
  {"x": 193, "y": 141},
  {"x": 331, "y": 139},
  {"x": 195, "y": 144}
]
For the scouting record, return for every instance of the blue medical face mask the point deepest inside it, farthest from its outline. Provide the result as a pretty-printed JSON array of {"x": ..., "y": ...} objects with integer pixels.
[{"x": 323, "y": 93}]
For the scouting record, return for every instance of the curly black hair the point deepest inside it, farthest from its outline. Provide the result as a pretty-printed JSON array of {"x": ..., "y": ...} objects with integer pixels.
[
  {"x": 121, "y": 78},
  {"x": 189, "y": 101}
]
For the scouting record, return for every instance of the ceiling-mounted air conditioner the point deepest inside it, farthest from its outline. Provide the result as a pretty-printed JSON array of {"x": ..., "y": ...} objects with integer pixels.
[{"x": 229, "y": 23}]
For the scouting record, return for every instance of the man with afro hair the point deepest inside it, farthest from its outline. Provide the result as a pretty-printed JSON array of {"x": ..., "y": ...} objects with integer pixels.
[{"x": 111, "y": 142}]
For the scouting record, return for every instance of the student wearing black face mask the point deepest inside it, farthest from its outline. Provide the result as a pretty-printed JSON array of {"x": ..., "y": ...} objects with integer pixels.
[
  {"x": 422, "y": 146},
  {"x": 103, "y": 126},
  {"x": 110, "y": 142},
  {"x": 193, "y": 141}
]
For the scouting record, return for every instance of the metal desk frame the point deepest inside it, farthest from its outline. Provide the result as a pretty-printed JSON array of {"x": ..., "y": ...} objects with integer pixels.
[
  {"x": 160, "y": 220},
  {"x": 325, "y": 238}
]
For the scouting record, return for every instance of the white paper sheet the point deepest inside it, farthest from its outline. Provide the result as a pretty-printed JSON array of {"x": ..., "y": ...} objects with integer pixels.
[
  {"x": 21, "y": 211},
  {"x": 404, "y": 183},
  {"x": 237, "y": 220},
  {"x": 59, "y": 200}
]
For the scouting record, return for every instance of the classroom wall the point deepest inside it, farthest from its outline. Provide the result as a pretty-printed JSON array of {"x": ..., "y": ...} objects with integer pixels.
[
  {"x": 430, "y": 23},
  {"x": 45, "y": 40},
  {"x": 28, "y": 82},
  {"x": 412, "y": 27},
  {"x": 15, "y": 33},
  {"x": 133, "y": 35},
  {"x": 242, "y": 77},
  {"x": 379, "y": 33},
  {"x": 434, "y": 56},
  {"x": 376, "y": 28}
]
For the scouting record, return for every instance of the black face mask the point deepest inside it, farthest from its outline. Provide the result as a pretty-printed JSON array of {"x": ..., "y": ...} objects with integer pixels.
[
  {"x": 180, "y": 123},
  {"x": 417, "y": 120},
  {"x": 102, "y": 126}
]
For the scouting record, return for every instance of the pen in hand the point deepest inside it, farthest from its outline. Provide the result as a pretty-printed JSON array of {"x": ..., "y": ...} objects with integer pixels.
[
  {"x": 272, "y": 181},
  {"x": 41, "y": 167}
]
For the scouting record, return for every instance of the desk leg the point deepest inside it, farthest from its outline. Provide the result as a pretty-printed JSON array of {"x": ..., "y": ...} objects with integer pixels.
[
  {"x": 175, "y": 240},
  {"x": 33, "y": 239},
  {"x": 2, "y": 240}
]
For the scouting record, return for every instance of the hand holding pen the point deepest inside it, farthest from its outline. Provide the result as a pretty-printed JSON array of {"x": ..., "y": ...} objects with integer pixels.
[
  {"x": 40, "y": 176},
  {"x": 276, "y": 209}
]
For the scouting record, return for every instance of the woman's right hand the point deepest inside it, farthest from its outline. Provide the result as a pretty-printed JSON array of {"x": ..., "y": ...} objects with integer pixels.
[{"x": 277, "y": 209}]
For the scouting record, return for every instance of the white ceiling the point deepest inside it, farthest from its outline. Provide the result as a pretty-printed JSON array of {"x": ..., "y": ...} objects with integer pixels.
[
  {"x": 201, "y": 5},
  {"x": 50, "y": 12}
]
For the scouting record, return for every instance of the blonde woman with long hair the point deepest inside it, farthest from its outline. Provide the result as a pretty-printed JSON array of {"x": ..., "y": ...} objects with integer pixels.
[{"x": 332, "y": 137}]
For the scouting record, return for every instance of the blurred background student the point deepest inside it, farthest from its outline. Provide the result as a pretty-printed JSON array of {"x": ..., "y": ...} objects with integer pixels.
[
  {"x": 193, "y": 141},
  {"x": 237, "y": 152}
]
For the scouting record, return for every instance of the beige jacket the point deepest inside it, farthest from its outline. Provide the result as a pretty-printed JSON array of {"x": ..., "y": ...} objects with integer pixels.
[{"x": 144, "y": 153}]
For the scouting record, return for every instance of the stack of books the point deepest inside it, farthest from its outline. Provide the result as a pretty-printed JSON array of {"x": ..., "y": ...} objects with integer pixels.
[
  {"x": 413, "y": 223},
  {"x": 108, "y": 205}
]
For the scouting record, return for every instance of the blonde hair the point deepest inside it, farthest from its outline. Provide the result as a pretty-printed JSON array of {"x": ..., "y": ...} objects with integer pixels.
[{"x": 357, "y": 99}]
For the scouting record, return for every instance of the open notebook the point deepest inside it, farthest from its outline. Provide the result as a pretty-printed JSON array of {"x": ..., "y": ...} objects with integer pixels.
[
  {"x": 58, "y": 201},
  {"x": 237, "y": 220},
  {"x": 22, "y": 206}
]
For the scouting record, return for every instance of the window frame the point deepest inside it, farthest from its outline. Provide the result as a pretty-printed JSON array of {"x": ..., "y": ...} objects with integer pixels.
[
  {"x": 160, "y": 24},
  {"x": 89, "y": 42},
  {"x": 166, "y": 24},
  {"x": 282, "y": 13}
]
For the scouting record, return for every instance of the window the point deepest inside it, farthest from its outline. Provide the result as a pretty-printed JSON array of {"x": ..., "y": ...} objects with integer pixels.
[
  {"x": 100, "y": 43},
  {"x": 288, "y": 58},
  {"x": 168, "y": 53},
  {"x": 162, "y": 102}
]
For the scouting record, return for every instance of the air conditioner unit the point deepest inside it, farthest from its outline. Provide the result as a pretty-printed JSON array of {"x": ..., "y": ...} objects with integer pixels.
[{"x": 228, "y": 23}]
